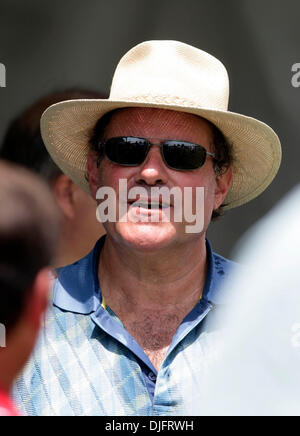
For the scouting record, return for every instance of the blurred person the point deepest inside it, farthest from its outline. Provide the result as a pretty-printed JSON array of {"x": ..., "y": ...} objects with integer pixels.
[
  {"x": 127, "y": 333},
  {"x": 23, "y": 145},
  {"x": 255, "y": 371},
  {"x": 27, "y": 249}
]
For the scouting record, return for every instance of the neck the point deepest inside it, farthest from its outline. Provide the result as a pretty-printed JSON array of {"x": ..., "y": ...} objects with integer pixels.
[{"x": 157, "y": 280}]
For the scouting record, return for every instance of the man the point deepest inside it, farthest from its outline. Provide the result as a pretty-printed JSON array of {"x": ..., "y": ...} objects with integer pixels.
[
  {"x": 127, "y": 332},
  {"x": 26, "y": 251},
  {"x": 24, "y": 146}
]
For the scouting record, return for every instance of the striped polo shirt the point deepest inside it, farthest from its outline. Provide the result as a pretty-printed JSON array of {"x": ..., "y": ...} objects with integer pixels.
[{"x": 86, "y": 363}]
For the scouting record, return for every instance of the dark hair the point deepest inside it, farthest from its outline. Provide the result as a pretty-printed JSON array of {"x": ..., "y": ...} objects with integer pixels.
[
  {"x": 99, "y": 130},
  {"x": 29, "y": 226},
  {"x": 223, "y": 161},
  {"x": 222, "y": 149},
  {"x": 23, "y": 142}
]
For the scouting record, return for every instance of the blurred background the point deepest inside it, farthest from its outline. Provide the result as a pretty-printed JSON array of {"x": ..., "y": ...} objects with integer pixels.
[{"x": 53, "y": 45}]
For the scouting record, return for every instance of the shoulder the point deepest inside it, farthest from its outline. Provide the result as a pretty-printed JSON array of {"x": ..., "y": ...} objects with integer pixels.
[
  {"x": 83, "y": 268},
  {"x": 226, "y": 266},
  {"x": 76, "y": 287},
  {"x": 76, "y": 273},
  {"x": 221, "y": 273}
]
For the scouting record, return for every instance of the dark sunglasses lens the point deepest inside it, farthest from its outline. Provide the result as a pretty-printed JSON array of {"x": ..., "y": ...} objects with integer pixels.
[
  {"x": 127, "y": 151},
  {"x": 183, "y": 155}
]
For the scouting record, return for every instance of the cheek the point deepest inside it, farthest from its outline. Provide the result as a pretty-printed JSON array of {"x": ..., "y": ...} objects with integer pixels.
[
  {"x": 110, "y": 174},
  {"x": 209, "y": 193},
  {"x": 107, "y": 173},
  {"x": 207, "y": 181},
  {"x": 200, "y": 178}
]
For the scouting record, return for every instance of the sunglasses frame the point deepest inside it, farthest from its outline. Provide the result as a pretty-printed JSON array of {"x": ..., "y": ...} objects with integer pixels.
[{"x": 164, "y": 142}]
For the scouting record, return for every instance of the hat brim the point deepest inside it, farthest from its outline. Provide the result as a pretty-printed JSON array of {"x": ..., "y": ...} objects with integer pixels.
[{"x": 67, "y": 126}]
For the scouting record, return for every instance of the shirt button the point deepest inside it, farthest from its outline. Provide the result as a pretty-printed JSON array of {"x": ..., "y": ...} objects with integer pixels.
[{"x": 152, "y": 376}]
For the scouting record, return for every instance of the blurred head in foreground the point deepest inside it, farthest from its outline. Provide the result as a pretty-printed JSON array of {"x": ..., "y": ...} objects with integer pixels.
[
  {"x": 257, "y": 355},
  {"x": 23, "y": 145},
  {"x": 29, "y": 226}
]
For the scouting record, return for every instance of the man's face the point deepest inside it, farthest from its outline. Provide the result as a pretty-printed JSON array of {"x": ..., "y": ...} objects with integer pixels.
[{"x": 157, "y": 125}]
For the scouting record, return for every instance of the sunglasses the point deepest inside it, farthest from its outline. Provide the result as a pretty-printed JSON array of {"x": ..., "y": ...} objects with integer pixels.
[{"x": 177, "y": 155}]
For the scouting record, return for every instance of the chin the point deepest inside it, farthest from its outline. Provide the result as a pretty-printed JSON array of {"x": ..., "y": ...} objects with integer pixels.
[{"x": 147, "y": 236}]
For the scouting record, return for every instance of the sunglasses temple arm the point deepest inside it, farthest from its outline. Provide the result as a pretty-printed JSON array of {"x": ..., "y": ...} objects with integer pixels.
[{"x": 211, "y": 154}]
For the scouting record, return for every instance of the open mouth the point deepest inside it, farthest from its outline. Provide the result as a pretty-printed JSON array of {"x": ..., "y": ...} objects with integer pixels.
[{"x": 150, "y": 205}]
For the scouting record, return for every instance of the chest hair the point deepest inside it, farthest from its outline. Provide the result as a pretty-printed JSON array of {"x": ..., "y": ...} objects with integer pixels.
[{"x": 154, "y": 332}]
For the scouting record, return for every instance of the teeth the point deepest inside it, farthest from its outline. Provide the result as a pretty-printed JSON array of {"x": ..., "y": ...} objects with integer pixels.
[{"x": 152, "y": 205}]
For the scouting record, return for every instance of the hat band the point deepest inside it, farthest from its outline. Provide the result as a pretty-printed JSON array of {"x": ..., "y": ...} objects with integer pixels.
[{"x": 158, "y": 99}]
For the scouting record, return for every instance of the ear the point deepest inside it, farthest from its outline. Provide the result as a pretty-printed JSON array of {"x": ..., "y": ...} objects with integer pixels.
[
  {"x": 38, "y": 300},
  {"x": 63, "y": 190},
  {"x": 223, "y": 183},
  {"x": 93, "y": 172}
]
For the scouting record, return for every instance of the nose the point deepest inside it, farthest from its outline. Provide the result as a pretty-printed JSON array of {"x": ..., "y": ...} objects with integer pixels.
[{"x": 153, "y": 170}]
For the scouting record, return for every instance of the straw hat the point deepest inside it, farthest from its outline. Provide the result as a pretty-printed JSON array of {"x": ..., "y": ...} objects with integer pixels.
[{"x": 168, "y": 75}]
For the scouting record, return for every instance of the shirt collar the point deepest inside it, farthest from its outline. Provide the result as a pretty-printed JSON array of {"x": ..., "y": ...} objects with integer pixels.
[
  {"x": 219, "y": 272},
  {"x": 77, "y": 288}
]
